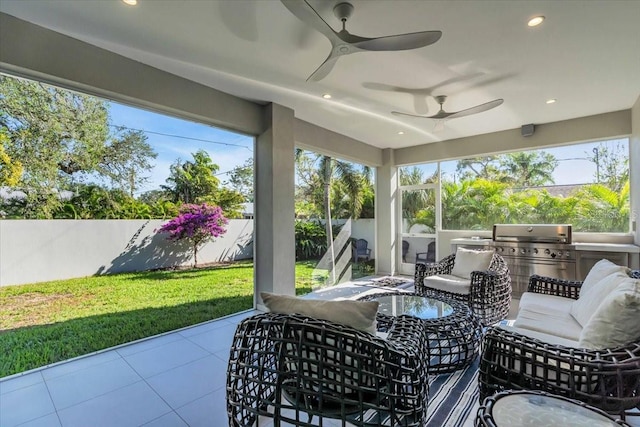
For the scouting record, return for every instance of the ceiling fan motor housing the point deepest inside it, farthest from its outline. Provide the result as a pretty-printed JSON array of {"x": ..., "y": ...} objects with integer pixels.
[{"x": 343, "y": 11}]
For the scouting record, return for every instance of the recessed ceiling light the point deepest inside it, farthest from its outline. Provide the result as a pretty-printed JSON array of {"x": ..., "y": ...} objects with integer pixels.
[
  {"x": 535, "y": 21},
  {"x": 400, "y": 133},
  {"x": 326, "y": 96},
  {"x": 551, "y": 101},
  {"x": 130, "y": 2}
]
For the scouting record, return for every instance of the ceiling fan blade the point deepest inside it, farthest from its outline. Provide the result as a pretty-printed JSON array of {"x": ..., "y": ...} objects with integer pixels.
[
  {"x": 400, "y": 41},
  {"x": 477, "y": 109},
  {"x": 324, "y": 69},
  {"x": 398, "y": 113},
  {"x": 304, "y": 12}
]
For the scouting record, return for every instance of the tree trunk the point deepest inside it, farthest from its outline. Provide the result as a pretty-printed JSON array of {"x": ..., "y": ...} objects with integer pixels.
[
  {"x": 195, "y": 256},
  {"x": 327, "y": 216}
]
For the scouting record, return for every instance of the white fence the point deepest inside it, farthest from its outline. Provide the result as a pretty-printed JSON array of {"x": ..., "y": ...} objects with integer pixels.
[{"x": 41, "y": 250}]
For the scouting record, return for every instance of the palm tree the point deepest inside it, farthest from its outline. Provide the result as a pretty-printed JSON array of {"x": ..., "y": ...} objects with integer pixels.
[
  {"x": 601, "y": 209},
  {"x": 351, "y": 182},
  {"x": 527, "y": 168}
]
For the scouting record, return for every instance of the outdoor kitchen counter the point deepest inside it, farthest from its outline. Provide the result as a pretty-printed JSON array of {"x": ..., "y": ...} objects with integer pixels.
[
  {"x": 468, "y": 242},
  {"x": 607, "y": 247}
]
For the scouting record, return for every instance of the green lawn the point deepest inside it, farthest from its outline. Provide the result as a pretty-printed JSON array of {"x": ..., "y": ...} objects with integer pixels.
[{"x": 48, "y": 322}]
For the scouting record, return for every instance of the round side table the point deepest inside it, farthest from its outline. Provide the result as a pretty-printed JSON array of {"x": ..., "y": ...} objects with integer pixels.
[
  {"x": 453, "y": 331},
  {"x": 521, "y": 408}
]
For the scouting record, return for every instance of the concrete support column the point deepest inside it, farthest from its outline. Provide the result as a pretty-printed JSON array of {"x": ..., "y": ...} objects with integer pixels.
[
  {"x": 386, "y": 210},
  {"x": 634, "y": 170},
  {"x": 274, "y": 247}
]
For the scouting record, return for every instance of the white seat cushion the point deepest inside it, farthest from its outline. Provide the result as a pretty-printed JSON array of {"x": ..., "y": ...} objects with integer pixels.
[
  {"x": 449, "y": 283},
  {"x": 541, "y": 303},
  {"x": 599, "y": 271},
  {"x": 617, "y": 319},
  {"x": 548, "y": 315},
  {"x": 360, "y": 315},
  {"x": 548, "y": 338},
  {"x": 468, "y": 260},
  {"x": 583, "y": 308}
]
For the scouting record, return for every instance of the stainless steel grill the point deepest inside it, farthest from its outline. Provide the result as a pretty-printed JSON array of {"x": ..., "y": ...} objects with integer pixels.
[{"x": 528, "y": 249}]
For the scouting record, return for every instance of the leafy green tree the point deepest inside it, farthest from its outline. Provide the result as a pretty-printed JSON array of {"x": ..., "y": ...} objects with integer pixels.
[
  {"x": 602, "y": 209},
  {"x": 241, "y": 179},
  {"x": 321, "y": 178},
  {"x": 527, "y": 168},
  {"x": 62, "y": 137},
  {"x": 54, "y": 133},
  {"x": 612, "y": 165},
  {"x": 340, "y": 182},
  {"x": 413, "y": 201},
  {"x": 126, "y": 158},
  {"x": 478, "y": 167},
  {"x": 10, "y": 170},
  {"x": 474, "y": 204},
  {"x": 194, "y": 182}
]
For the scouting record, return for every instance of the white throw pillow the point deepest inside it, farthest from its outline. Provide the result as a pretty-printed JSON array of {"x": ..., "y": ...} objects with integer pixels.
[
  {"x": 468, "y": 260},
  {"x": 599, "y": 271},
  {"x": 590, "y": 299},
  {"x": 360, "y": 315},
  {"x": 617, "y": 320}
]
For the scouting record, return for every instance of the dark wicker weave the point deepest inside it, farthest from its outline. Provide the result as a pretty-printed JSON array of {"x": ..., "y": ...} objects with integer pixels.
[
  {"x": 490, "y": 294},
  {"x": 484, "y": 417},
  {"x": 452, "y": 341},
  {"x": 608, "y": 379},
  {"x": 299, "y": 370}
]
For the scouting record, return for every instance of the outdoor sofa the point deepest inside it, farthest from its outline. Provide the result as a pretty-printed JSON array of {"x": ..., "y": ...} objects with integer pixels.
[{"x": 576, "y": 339}]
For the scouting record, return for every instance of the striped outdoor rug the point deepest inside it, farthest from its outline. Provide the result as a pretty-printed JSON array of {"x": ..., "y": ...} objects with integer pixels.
[{"x": 453, "y": 398}]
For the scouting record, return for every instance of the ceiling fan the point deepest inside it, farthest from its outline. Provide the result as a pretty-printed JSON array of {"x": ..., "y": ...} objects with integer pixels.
[
  {"x": 345, "y": 43},
  {"x": 441, "y": 115}
]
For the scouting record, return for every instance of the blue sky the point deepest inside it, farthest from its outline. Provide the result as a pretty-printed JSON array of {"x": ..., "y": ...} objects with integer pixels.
[
  {"x": 191, "y": 138},
  {"x": 229, "y": 149},
  {"x": 573, "y": 166}
]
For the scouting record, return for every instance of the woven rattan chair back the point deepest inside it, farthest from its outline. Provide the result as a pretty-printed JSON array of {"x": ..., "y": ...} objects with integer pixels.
[
  {"x": 298, "y": 370},
  {"x": 489, "y": 296}
]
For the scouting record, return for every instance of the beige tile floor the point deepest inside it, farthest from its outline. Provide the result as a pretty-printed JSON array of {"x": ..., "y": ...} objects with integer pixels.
[{"x": 175, "y": 379}]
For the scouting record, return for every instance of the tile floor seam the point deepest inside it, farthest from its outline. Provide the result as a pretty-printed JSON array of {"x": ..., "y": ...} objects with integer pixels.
[
  {"x": 20, "y": 388},
  {"x": 80, "y": 369},
  {"x": 156, "y": 392},
  {"x": 94, "y": 397},
  {"x": 172, "y": 409},
  {"x": 164, "y": 415},
  {"x": 195, "y": 343},
  {"x": 53, "y": 403}
]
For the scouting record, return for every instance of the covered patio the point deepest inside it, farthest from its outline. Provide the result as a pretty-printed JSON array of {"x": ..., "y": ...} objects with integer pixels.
[
  {"x": 33, "y": 51},
  {"x": 178, "y": 378}
]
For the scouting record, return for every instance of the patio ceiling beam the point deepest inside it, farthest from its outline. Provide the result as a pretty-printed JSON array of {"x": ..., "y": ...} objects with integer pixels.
[{"x": 31, "y": 51}]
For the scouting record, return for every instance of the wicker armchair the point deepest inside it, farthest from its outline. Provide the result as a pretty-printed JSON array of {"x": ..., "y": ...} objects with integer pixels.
[
  {"x": 608, "y": 379},
  {"x": 490, "y": 295},
  {"x": 292, "y": 368}
]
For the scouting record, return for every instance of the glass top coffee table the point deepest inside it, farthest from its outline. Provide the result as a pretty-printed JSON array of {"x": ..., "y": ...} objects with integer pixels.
[
  {"x": 452, "y": 331},
  {"x": 413, "y": 305},
  {"x": 537, "y": 408}
]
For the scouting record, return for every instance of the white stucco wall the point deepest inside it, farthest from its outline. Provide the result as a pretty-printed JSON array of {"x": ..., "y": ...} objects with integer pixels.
[{"x": 36, "y": 251}]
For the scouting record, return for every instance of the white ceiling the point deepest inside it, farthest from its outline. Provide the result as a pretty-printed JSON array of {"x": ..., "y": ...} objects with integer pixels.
[{"x": 586, "y": 54}]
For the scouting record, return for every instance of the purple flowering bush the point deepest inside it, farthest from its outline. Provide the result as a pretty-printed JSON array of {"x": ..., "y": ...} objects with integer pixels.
[{"x": 197, "y": 224}]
